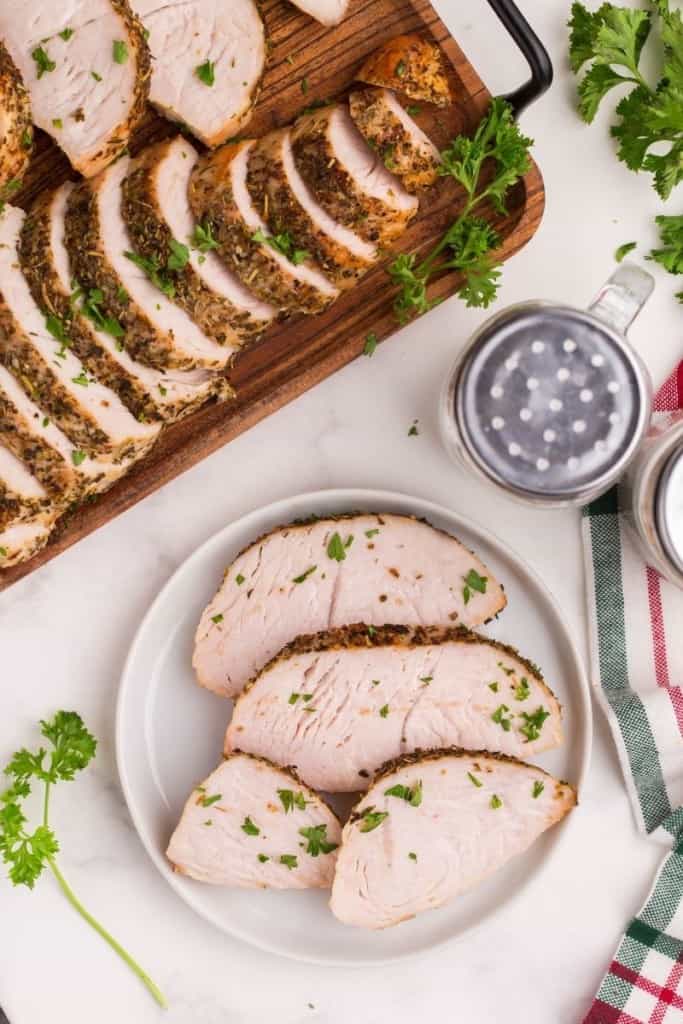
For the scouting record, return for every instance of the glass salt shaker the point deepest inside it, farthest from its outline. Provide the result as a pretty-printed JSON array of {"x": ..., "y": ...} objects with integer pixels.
[
  {"x": 652, "y": 495},
  {"x": 551, "y": 403}
]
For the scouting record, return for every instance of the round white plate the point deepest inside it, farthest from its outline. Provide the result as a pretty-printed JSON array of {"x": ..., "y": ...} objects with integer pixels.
[{"x": 170, "y": 736}]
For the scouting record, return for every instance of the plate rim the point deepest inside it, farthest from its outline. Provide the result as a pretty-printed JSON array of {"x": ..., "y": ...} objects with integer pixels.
[{"x": 367, "y": 497}]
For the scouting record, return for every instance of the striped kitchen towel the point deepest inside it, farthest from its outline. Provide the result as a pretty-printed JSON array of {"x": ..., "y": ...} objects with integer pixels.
[{"x": 636, "y": 625}]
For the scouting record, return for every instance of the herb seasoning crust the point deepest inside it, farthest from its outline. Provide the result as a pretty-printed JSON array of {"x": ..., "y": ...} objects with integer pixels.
[{"x": 16, "y": 125}]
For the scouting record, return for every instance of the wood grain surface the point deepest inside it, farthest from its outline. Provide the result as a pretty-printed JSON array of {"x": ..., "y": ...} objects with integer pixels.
[{"x": 306, "y": 63}]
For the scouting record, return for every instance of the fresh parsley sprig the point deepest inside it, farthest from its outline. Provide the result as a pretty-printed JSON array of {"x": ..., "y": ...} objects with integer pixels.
[
  {"x": 611, "y": 40},
  {"x": 670, "y": 255},
  {"x": 27, "y": 853},
  {"x": 469, "y": 243}
]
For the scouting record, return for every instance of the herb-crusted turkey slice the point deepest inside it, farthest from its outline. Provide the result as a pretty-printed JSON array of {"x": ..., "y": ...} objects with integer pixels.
[
  {"x": 157, "y": 213},
  {"x": 347, "y": 178},
  {"x": 149, "y": 394},
  {"x": 22, "y": 541},
  {"x": 287, "y": 205},
  {"x": 255, "y": 826},
  {"x": 86, "y": 67},
  {"x": 433, "y": 826},
  {"x": 34, "y": 349},
  {"x": 64, "y": 470},
  {"x": 319, "y": 575},
  {"x": 339, "y": 705},
  {"x": 391, "y": 131},
  {"x": 16, "y": 125},
  {"x": 270, "y": 267},
  {"x": 411, "y": 65},
  {"x": 208, "y": 59},
  {"x": 22, "y": 496},
  {"x": 327, "y": 12},
  {"x": 137, "y": 295}
]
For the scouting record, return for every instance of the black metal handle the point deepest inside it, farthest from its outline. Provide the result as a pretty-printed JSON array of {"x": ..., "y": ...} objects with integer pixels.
[{"x": 536, "y": 55}]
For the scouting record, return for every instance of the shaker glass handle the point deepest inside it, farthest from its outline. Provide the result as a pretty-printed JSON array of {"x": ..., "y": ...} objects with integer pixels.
[
  {"x": 621, "y": 299},
  {"x": 536, "y": 55}
]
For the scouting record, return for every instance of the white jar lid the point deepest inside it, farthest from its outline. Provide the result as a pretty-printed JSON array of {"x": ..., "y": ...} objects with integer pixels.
[{"x": 670, "y": 508}]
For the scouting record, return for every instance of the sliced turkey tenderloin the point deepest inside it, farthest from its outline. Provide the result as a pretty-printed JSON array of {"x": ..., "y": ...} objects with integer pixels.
[
  {"x": 286, "y": 204},
  {"x": 338, "y": 705},
  {"x": 433, "y": 826},
  {"x": 411, "y": 65},
  {"x": 16, "y": 125},
  {"x": 149, "y": 394},
  {"x": 318, "y": 575},
  {"x": 22, "y": 541},
  {"x": 65, "y": 471},
  {"x": 327, "y": 12},
  {"x": 208, "y": 59},
  {"x": 86, "y": 67},
  {"x": 157, "y": 332},
  {"x": 161, "y": 226},
  {"x": 34, "y": 347},
  {"x": 22, "y": 496},
  {"x": 390, "y": 130},
  {"x": 221, "y": 201},
  {"x": 255, "y": 826},
  {"x": 347, "y": 178}
]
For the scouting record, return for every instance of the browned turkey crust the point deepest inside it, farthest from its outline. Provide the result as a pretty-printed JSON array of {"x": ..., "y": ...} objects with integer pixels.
[
  {"x": 411, "y": 65},
  {"x": 279, "y": 207},
  {"x": 61, "y": 483},
  {"x": 16, "y": 126},
  {"x": 417, "y": 165},
  {"x": 213, "y": 203},
  {"x": 214, "y": 313},
  {"x": 335, "y": 188}
]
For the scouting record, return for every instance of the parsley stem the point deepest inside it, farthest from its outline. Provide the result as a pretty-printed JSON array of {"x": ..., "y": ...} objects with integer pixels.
[{"x": 126, "y": 957}]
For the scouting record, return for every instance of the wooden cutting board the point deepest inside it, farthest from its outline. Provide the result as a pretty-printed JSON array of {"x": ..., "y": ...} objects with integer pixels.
[{"x": 307, "y": 63}]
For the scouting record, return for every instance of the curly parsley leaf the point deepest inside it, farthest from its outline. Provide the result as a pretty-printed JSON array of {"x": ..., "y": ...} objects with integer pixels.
[
  {"x": 670, "y": 255},
  {"x": 27, "y": 853}
]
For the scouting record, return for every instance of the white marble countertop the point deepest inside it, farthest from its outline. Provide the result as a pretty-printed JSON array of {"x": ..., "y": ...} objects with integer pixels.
[{"x": 66, "y": 629}]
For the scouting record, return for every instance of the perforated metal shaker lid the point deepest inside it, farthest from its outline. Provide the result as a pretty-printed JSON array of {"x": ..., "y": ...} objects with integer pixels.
[
  {"x": 551, "y": 402},
  {"x": 669, "y": 508}
]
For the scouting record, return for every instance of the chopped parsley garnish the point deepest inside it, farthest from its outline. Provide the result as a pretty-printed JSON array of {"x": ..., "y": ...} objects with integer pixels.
[
  {"x": 496, "y": 802},
  {"x": 78, "y": 457},
  {"x": 239, "y": 579},
  {"x": 81, "y": 379},
  {"x": 90, "y": 307},
  {"x": 522, "y": 689},
  {"x": 289, "y": 860},
  {"x": 180, "y": 256},
  {"x": 43, "y": 62},
  {"x": 411, "y": 794},
  {"x": 208, "y": 801},
  {"x": 208, "y": 822},
  {"x": 13, "y": 185},
  {"x": 263, "y": 858},
  {"x": 57, "y": 123},
  {"x": 384, "y": 711},
  {"x": 507, "y": 671},
  {"x": 494, "y": 687},
  {"x": 122, "y": 294},
  {"x": 371, "y": 533},
  {"x": 46, "y": 421},
  {"x": 291, "y": 799},
  {"x": 96, "y": 76},
  {"x": 413, "y": 111},
  {"x": 57, "y": 329},
  {"x": 282, "y": 243},
  {"x": 499, "y": 718},
  {"x": 370, "y": 344},
  {"x": 317, "y": 840},
  {"x": 293, "y": 698},
  {"x": 337, "y": 548},
  {"x": 426, "y": 680},
  {"x": 413, "y": 432},
  {"x": 27, "y": 138},
  {"x": 66, "y": 34},
  {"x": 401, "y": 69},
  {"x": 372, "y": 819},
  {"x": 412, "y": 856},
  {"x": 206, "y": 72},
  {"x": 304, "y": 85},
  {"x": 473, "y": 581},
  {"x": 474, "y": 780},
  {"x": 152, "y": 268},
  {"x": 538, "y": 789},
  {"x": 624, "y": 250},
  {"x": 533, "y": 724},
  {"x": 3, "y": 552},
  {"x": 202, "y": 238},
  {"x": 304, "y": 575},
  {"x": 372, "y": 631},
  {"x": 217, "y": 618},
  {"x": 119, "y": 51},
  {"x": 250, "y": 828},
  {"x": 375, "y": 682}
]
